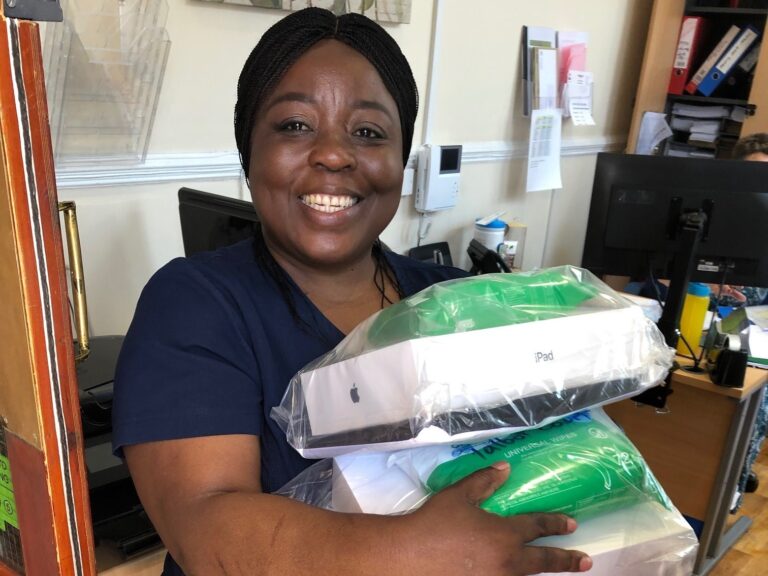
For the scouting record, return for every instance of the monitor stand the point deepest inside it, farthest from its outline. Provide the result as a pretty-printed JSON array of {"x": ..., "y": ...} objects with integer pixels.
[{"x": 690, "y": 228}]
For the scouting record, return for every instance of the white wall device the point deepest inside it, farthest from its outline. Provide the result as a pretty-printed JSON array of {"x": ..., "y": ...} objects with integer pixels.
[{"x": 437, "y": 177}]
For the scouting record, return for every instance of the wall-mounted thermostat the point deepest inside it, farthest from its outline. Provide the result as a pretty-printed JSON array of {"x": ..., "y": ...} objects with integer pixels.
[{"x": 437, "y": 177}]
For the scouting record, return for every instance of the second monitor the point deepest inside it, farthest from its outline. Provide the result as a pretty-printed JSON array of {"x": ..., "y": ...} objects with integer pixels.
[{"x": 643, "y": 212}]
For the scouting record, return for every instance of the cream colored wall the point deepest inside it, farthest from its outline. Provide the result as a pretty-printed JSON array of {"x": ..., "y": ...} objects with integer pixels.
[
  {"x": 128, "y": 232},
  {"x": 479, "y": 88}
]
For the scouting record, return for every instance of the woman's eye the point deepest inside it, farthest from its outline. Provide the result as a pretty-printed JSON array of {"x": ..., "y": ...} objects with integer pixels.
[
  {"x": 294, "y": 126},
  {"x": 368, "y": 133}
]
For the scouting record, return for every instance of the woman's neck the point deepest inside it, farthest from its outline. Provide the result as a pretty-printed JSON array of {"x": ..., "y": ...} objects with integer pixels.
[{"x": 346, "y": 294}]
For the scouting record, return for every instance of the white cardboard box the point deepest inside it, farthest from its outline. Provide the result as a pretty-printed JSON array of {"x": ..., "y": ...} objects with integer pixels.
[
  {"x": 642, "y": 540},
  {"x": 415, "y": 380}
]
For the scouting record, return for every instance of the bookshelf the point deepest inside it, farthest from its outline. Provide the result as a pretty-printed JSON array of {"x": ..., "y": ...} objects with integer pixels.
[{"x": 743, "y": 95}]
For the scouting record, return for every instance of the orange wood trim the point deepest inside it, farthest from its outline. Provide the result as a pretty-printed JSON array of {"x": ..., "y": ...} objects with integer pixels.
[
  {"x": 6, "y": 571},
  {"x": 29, "y": 172},
  {"x": 42, "y": 152},
  {"x": 660, "y": 44},
  {"x": 34, "y": 513}
]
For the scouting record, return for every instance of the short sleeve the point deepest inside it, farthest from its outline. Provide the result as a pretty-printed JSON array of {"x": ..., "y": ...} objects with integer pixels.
[{"x": 187, "y": 366}]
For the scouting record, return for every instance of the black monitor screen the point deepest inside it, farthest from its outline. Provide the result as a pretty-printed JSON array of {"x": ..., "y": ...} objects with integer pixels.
[
  {"x": 210, "y": 221},
  {"x": 450, "y": 159},
  {"x": 637, "y": 205}
]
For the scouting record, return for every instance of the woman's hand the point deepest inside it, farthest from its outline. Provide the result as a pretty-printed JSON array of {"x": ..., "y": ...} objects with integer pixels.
[
  {"x": 728, "y": 290},
  {"x": 454, "y": 536}
]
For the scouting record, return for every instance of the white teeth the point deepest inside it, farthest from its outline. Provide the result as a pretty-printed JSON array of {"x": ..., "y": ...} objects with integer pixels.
[{"x": 328, "y": 202}]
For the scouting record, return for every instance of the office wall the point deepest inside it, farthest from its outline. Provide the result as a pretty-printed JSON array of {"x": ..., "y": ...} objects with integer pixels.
[{"x": 129, "y": 229}]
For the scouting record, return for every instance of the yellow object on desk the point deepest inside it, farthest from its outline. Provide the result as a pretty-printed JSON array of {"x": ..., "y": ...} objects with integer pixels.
[{"x": 692, "y": 319}]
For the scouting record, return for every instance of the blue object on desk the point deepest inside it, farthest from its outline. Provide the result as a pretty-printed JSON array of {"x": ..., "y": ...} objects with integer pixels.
[{"x": 724, "y": 311}]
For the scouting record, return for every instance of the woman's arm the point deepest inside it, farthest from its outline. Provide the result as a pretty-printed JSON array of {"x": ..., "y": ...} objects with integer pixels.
[{"x": 204, "y": 497}]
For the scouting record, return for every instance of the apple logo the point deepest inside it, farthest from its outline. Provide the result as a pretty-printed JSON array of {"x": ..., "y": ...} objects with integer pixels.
[{"x": 353, "y": 393}]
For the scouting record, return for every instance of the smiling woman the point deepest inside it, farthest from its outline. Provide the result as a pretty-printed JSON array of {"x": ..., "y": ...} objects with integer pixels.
[
  {"x": 323, "y": 122},
  {"x": 327, "y": 158}
]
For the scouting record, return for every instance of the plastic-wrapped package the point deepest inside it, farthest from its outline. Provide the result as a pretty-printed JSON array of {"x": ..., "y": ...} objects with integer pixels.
[
  {"x": 581, "y": 465},
  {"x": 472, "y": 358},
  {"x": 640, "y": 533}
]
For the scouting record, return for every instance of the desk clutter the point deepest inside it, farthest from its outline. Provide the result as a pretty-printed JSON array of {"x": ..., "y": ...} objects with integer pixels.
[
  {"x": 496, "y": 245},
  {"x": 735, "y": 339},
  {"x": 701, "y": 131},
  {"x": 488, "y": 368}
]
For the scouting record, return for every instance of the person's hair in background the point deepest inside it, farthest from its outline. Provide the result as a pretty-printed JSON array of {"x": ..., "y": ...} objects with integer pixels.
[
  {"x": 752, "y": 147},
  {"x": 291, "y": 37}
]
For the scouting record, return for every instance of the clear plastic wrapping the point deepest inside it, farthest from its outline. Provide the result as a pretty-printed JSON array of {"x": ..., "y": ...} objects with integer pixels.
[
  {"x": 472, "y": 358},
  {"x": 581, "y": 465}
]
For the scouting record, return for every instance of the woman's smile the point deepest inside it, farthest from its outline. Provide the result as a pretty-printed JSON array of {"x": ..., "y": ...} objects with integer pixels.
[{"x": 329, "y": 202}]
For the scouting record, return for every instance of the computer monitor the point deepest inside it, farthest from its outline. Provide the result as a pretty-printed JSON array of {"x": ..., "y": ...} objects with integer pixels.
[
  {"x": 210, "y": 221},
  {"x": 681, "y": 219}
]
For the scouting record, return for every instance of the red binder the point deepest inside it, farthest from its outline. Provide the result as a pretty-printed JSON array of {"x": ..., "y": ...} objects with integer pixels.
[{"x": 687, "y": 45}]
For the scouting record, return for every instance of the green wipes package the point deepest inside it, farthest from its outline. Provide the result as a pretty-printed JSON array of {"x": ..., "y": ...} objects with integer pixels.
[
  {"x": 581, "y": 465},
  {"x": 482, "y": 302}
]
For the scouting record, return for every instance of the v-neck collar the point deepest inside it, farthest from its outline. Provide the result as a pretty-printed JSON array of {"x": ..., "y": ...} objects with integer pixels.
[{"x": 320, "y": 321}]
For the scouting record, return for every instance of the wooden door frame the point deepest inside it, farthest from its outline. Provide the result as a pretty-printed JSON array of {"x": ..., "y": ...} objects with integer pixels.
[{"x": 39, "y": 397}]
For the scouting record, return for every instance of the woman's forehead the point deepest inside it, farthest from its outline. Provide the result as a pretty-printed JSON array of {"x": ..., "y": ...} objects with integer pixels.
[{"x": 333, "y": 63}]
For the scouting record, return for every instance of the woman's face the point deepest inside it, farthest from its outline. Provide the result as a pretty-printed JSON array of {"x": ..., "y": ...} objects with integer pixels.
[{"x": 326, "y": 165}]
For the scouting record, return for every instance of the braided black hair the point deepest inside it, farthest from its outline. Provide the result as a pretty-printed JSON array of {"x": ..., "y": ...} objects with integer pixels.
[{"x": 287, "y": 40}]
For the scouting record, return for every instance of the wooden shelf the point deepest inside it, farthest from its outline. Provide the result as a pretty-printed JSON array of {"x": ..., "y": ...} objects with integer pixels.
[
  {"x": 713, "y": 10},
  {"x": 661, "y": 44},
  {"x": 694, "y": 99}
]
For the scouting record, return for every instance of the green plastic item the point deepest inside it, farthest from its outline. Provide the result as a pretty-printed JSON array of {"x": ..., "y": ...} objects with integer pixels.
[
  {"x": 485, "y": 301},
  {"x": 576, "y": 466}
]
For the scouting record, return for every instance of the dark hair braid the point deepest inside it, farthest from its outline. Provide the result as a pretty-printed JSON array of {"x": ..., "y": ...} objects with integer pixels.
[{"x": 287, "y": 40}]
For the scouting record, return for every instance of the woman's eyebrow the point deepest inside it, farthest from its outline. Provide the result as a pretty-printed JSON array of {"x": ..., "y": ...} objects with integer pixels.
[
  {"x": 290, "y": 97},
  {"x": 372, "y": 105},
  {"x": 308, "y": 99}
]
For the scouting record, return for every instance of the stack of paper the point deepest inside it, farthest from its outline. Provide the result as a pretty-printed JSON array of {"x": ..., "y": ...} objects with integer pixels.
[
  {"x": 758, "y": 336},
  {"x": 704, "y": 125},
  {"x": 695, "y": 111}
]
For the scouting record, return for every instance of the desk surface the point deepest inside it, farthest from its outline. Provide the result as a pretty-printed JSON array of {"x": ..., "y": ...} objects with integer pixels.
[{"x": 753, "y": 380}]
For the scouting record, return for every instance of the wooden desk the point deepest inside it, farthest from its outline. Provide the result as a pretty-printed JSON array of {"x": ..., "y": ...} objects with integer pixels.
[{"x": 696, "y": 450}]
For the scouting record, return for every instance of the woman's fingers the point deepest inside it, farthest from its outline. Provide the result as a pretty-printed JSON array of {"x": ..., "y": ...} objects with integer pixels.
[
  {"x": 532, "y": 526},
  {"x": 500, "y": 544},
  {"x": 479, "y": 486},
  {"x": 537, "y": 559}
]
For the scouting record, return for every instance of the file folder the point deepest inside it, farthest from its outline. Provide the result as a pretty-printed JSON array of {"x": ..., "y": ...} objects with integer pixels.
[
  {"x": 687, "y": 47},
  {"x": 712, "y": 59},
  {"x": 544, "y": 78},
  {"x": 739, "y": 82},
  {"x": 533, "y": 37},
  {"x": 746, "y": 38}
]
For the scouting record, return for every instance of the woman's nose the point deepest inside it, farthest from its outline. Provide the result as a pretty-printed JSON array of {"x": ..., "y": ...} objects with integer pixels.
[{"x": 333, "y": 151}]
